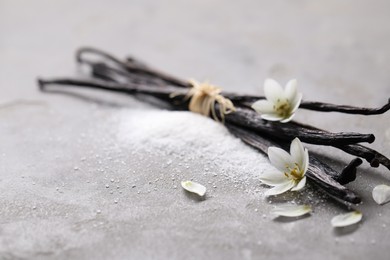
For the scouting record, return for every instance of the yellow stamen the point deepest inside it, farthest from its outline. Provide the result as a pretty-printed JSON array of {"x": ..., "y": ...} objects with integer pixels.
[
  {"x": 295, "y": 173},
  {"x": 282, "y": 107}
]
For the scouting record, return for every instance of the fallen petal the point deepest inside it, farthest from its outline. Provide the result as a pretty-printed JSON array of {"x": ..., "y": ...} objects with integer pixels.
[
  {"x": 292, "y": 210},
  {"x": 194, "y": 187},
  {"x": 381, "y": 194},
  {"x": 347, "y": 219}
]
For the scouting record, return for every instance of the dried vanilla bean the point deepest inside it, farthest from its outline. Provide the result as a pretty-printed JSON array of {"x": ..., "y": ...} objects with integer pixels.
[
  {"x": 373, "y": 157},
  {"x": 250, "y": 119},
  {"x": 131, "y": 89},
  {"x": 324, "y": 107},
  {"x": 348, "y": 174}
]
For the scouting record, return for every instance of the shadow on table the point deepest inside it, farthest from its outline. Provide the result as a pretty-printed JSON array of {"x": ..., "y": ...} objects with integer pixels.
[
  {"x": 282, "y": 219},
  {"x": 343, "y": 231},
  {"x": 194, "y": 197}
]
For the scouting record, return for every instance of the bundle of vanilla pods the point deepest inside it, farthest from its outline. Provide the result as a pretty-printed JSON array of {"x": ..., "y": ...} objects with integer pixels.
[{"x": 131, "y": 76}]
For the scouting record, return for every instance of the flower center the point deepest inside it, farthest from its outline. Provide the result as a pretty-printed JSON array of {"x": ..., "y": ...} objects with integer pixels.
[
  {"x": 293, "y": 173},
  {"x": 282, "y": 107}
]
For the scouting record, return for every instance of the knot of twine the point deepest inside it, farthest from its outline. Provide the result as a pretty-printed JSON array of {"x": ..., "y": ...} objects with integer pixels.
[{"x": 203, "y": 98}]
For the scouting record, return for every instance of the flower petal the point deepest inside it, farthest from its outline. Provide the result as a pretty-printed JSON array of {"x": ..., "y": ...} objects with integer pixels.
[
  {"x": 194, "y": 187},
  {"x": 273, "y": 178},
  {"x": 280, "y": 188},
  {"x": 271, "y": 117},
  {"x": 297, "y": 152},
  {"x": 288, "y": 119},
  {"x": 381, "y": 194},
  {"x": 263, "y": 106},
  {"x": 280, "y": 158},
  {"x": 300, "y": 184},
  {"x": 272, "y": 90},
  {"x": 296, "y": 102},
  {"x": 292, "y": 210},
  {"x": 305, "y": 161},
  {"x": 291, "y": 90},
  {"x": 347, "y": 219}
]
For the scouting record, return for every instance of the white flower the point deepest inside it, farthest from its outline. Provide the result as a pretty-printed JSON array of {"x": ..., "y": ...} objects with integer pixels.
[
  {"x": 292, "y": 168},
  {"x": 280, "y": 105}
]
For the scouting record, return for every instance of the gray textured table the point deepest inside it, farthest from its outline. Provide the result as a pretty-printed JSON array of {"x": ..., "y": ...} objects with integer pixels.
[{"x": 59, "y": 153}]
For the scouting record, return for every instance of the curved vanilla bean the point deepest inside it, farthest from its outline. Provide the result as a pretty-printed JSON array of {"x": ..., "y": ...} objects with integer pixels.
[
  {"x": 102, "y": 71},
  {"x": 89, "y": 50},
  {"x": 348, "y": 174},
  {"x": 373, "y": 157},
  {"x": 317, "y": 172},
  {"x": 132, "y": 66},
  {"x": 250, "y": 119}
]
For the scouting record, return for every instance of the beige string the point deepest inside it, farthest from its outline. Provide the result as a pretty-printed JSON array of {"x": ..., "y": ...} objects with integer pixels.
[{"x": 203, "y": 97}]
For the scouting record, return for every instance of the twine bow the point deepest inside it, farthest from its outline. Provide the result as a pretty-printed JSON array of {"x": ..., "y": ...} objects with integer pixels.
[{"x": 203, "y": 98}]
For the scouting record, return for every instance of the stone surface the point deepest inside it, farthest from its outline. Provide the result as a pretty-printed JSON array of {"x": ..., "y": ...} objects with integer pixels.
[{"x": 74, "y": 186}]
